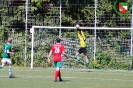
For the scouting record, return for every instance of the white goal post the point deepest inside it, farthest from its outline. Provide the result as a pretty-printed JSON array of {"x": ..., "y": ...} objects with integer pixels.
[{"x": 71, "y": 28}]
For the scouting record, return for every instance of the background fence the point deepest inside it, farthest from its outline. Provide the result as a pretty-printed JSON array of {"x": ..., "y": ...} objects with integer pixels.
[{"x": 88, "y": 13}]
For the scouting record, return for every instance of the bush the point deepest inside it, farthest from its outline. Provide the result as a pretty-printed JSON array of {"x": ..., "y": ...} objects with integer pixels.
[
  {"x": 94, "y": 64},
  {"x": 103, "y": 59}
]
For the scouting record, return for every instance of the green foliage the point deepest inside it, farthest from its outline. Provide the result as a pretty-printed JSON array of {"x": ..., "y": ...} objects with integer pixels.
[
  {"x": 39, "y": 2},
  {"x": 103, "y": 58},
  {"x": 3, "y": 32},
  {"x": 94, "y": 64},
  {"x": 124, "y": 34}
]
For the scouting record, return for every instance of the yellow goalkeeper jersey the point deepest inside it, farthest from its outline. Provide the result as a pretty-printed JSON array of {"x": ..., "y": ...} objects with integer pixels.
[{"x": 82, "y": 38}]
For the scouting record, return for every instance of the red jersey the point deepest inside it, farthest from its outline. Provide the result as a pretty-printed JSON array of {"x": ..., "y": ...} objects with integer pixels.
[{"x": 57, "y": 51}]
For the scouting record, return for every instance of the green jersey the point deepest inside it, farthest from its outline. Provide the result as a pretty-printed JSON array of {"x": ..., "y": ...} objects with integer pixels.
[{"x": 7, "y": 47}]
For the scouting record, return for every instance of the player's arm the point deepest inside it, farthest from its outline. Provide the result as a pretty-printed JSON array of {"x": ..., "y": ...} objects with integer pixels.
[
  {"x": 63, "y": 52},
  {"x": 83, "y": 35},
  {"x": 78, "y": 33},
  {"x": 50, "y": 53},
  {"x": 9, "y": 51}
]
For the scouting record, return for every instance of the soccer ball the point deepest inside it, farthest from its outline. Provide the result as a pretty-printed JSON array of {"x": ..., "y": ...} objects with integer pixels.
[
  {"x": 77, "y": 26},
  {"x": 31, "y": 30}
]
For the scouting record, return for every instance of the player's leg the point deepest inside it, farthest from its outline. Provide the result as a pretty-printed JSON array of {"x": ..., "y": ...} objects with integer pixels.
[
  {"x": 87, "y": 61},
  {"x": 57, "y": 72},
  {"x": 3, "y": 63},
  {"x": 59, "y": 65},
  {"x": 77, "y": 55},
  {"x": 86, "y": 58},
  {"x": 10, "y": 69},
  {"x": 60, "y": 79}
]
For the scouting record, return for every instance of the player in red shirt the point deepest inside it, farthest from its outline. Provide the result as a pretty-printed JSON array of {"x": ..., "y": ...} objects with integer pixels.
[{"x": 57, "y": 50}]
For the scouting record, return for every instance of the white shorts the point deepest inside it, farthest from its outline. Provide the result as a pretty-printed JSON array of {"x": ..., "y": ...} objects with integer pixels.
[{"x": 6, "y": 61}]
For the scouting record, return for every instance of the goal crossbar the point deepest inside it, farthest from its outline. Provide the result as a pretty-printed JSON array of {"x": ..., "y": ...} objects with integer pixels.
[{"x": 97, "y": 28}]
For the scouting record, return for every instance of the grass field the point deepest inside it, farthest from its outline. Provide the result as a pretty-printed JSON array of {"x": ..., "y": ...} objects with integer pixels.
[{"x": 73, "y": 78}]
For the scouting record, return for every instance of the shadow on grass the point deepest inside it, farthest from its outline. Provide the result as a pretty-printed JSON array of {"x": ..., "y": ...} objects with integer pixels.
[{"x": 85, "y": 71}]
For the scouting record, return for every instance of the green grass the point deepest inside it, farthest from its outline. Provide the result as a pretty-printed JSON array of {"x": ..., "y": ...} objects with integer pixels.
[{"x": 73, "y": 78}]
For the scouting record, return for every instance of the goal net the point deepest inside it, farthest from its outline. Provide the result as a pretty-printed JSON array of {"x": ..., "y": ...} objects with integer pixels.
[{"x": 106, "y": 47}]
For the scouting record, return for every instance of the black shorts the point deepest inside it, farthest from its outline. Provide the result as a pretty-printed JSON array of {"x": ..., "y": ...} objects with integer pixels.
[{"x": 83, "y": 50}]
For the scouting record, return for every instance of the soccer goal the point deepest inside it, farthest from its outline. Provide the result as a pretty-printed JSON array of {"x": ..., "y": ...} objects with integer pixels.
[{"x": 114, "y": 43}]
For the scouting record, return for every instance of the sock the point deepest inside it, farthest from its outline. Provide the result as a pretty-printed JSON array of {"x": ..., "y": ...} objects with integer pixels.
[
  {"x": 78, "y": 58},
  {"x": 56, "y": 74},
  {"x": 0, "y": 67},
  {"x": 10, "y": 71},
  {"x": 87, "y": 62},
  {"x": 59, "y": 75}
]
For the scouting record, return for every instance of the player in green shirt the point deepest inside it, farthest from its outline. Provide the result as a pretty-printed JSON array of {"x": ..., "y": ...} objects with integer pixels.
[{"x": 6, "y": 57}]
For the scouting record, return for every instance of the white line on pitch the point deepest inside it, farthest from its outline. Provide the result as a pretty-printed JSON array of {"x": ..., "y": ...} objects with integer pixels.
[{"x": 23, "y": 76}]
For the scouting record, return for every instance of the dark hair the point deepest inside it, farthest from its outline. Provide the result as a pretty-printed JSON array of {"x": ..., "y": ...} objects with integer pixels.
[{"x": 58, "y": 40}]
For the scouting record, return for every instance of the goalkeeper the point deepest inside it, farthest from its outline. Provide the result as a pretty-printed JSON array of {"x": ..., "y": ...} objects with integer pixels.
[{"x": 82, "y": 49}]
